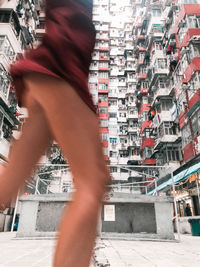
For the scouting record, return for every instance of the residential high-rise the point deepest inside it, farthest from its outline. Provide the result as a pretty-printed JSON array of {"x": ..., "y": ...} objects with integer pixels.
[
  {"x": 18, "y": 20},
  {"x": 148, "y": 91}
]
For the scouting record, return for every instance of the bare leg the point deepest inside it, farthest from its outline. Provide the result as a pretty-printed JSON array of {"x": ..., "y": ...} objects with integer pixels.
[
  {"x": 26, "y": 152},
  {"x": 75, "y": 128}
]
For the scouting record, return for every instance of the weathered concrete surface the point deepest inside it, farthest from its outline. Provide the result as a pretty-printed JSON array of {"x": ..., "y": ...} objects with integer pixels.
[
  {"x": 113, "y": 253},
  {"x": 132, "y": 214}
]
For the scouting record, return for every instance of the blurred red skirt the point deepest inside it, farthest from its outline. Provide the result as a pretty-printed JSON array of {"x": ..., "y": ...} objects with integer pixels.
[{"x": 65, "y": 51}]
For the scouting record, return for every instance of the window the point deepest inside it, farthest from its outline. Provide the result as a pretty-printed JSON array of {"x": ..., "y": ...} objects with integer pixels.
[
  {"x": 7, "y": 129},
  {"x": 103, "y": 75},
  {"x": 162, "y": 63},
  {"x": 4, "y": 82},
  {"x": 193, "y": 21},
  {"x": 123, "y": 153},
  {"x": 158, "y": 46},
  {"x": 104, "y": 123},
  {"x": 196, "y": 123},
  {"x": 172, "y": 154},
  {"x": 103, "y": 86},
  {"x": 196, "y": 50},
  {"x": 112, "y": 115},
  {"x": 103, "y": 64},
  {"x": 104, "y": 136},
  {"x": 103, "y": 98},
  {"x": 148, "y": 151},
  {"x": 166, "y": 105},
  {"x": 113, "y": 140},
  {"x": 145, "y": 85},
  {"x": 113, "y": 154},
  {"x": 6, "y": 48},
  {"x": 122, "y": 115},
  {"x": 156, "y": 12},
  {"x": 170, "y": 128},
  {"x": 112, "y": 102},
  {"x": 143, "y": 70},
  {"x": 167, "y": 128},
  {"x": 103, "y": 110},
  {"x": 133, "y": 137},
  {"x": 194, "y": 85},
  {"x": 162, "y": 84},
  {"x": 113, "y": 169}
]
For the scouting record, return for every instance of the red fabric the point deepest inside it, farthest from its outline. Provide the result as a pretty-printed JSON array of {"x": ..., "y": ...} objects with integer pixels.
[{"x": 65, "y": 51}]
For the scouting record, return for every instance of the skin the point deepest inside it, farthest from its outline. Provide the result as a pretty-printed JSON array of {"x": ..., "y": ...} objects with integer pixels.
[{"x": 57, "y": 112}]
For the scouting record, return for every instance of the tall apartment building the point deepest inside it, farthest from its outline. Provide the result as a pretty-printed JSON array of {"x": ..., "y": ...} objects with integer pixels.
[
  {"x": 167, "y": 47},
  {"x": 17, "y": 22},
  {"x": 112, "y": 82},
  {"x": 145, "y": 80}
]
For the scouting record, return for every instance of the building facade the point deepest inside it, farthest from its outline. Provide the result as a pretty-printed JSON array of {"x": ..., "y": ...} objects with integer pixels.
[
  {"x": 145, "y": 77},
  {"x": 18, "y": 19}
]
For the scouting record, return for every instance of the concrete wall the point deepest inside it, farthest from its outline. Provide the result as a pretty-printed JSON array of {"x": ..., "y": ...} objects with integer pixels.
[
  {"x": 122, "y": 213},
  {"x": 131, "y": 218}
]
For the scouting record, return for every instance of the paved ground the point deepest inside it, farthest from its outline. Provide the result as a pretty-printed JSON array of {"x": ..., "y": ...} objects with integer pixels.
[{"x": 114, "y": 253}]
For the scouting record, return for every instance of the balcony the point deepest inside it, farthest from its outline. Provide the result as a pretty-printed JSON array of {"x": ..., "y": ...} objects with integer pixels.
[
  {"x": 120, "y": 176},
  {"x": 122, "y": 84},
  {"x": 6, "y": 29},
  {"x": 133, "y": 116},
  {"x": 160, "y": 92},
  {"x": 104, "y": 58},
  {"x": 93, "y": 79},
  {"x": 94, "y": 67},
  {"x": 134, "y": 158},
  {"x": 156, "y": 71},
  {"x": 165, "y": 116},
  {"x": 122, "y": 95},
  {"x": 113, "y": 94},
  {"x": 113, "y": 108},
  {"x": 121, "y": 119},
  {"x": 131, "y": 80},
  {"x": 113, "y": 160},
  {"x": 160, "y": 141},
  {"x": 132, "y": 129},
  {"x": 123, "y": 161},
  {"x": 103, "y": 48}
]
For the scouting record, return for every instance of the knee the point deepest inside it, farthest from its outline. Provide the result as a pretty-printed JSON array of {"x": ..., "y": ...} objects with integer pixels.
[{"x": 96, "y": 184}]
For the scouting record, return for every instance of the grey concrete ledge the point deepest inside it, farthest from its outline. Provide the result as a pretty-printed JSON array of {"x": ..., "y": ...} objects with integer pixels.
[
  {"x": 114, "y": 198},
  {"x": 137, "y": 237}
]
